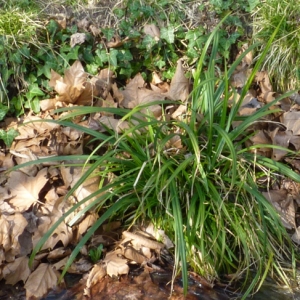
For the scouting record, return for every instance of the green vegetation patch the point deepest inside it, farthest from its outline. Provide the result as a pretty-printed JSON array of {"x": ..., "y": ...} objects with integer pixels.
[{"x": 283, "y": 59}]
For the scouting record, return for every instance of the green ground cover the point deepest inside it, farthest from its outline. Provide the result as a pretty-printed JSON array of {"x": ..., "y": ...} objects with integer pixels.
[{"x": 205, "y": 196}]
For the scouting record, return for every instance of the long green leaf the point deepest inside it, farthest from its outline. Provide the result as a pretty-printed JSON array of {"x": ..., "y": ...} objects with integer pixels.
[{"x": 180, "y": 253}]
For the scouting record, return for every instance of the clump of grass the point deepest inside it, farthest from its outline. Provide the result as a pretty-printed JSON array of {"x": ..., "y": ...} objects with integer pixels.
[
  {"x": 283, "y": 59},
  {"x": 203, "y": 195}
]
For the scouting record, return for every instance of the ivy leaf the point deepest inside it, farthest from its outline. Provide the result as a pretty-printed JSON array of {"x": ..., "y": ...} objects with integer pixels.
[
  {"x": 73, "y": 54},
  {"x": 92, "y": 68},
  {"x": 113, "y": 57},
  {"x": 33, "y": 104},
  {"x": 148, "y": 42},
  {"x": 3, "y": 111},
  {"x": 16, "y": 58},
  {"x": 8, "y": 136},
  {"x": 108, "y": 33},
  {"x": 126, "y": 72},
  {"x": 52, "y": 27},
  {"x": 119, "y": 13},
  {"x": 45, "y": 69},
  {"x": 102, "y": 55},
  {"x": 34, "y": 91},
  {"x": 124, "y": 55},
  {"x": 253, "y": 4},
  {"x": 160, "y": 64},
  {"x": 167, "y": 33}
]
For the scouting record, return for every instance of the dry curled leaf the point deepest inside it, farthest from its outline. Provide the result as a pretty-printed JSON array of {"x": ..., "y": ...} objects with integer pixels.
[
  {"x": 134, "y": 255},
  {"x": 77, "y": 39},
  {"x": 179, "y": 87},
  {"x": 115, "y": 264},
  {"x": 143, "y": 241},
  {"x": 95, "y": 275}
]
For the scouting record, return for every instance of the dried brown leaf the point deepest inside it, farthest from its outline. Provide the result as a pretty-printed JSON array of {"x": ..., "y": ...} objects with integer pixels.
[
  {"x": 179, "y": 111},
  {"x": 25, "y": 189},
  {"x": 133, "y": 255},
  {"x": 75, "y": 75},
  {"x": 86, "y": 223},
  {"x": 130, "y": 93},
  {"x": 5, "y": 208},
  {"x": 291, "y": 120},
  {"x": 72, "y": 133},
  {"x": 68, "y": 93},
  {"x": 43, "y": 279},
  {"x": 284, "y": 204},
  {"x": 160, "y": 235},
  {"x": 111, "y": 226},
  {"x": 73, "y": 87},
  {"x": 296, "y": 236},
  {"x": 72, "y": 174},
  {"x": 49, "y": 104},
  {"x": 179, "y": 87},
  {"x": 264, "y": 83},
  {"x": 15, "y": 271},
  {"x": 239, "y": 78},
  {"x": 62, "y": 232},
  {"x": 95, "y": 275},
  {"x": 18, "y": 225},
  {"x": 117, "y": 94},
  {"x": 143, "y": 241},
  {"x": 116, "y": 42},
  {"x": 261, "y": 138},
  {"x": 77, "y": 38},
  {"x": 31, "y": 128},
  {"x": 280, "y": 138},
  {"x": 155, "y": 79},
  {"x": 152, "y": 30},
  {"x": 115, "y": 264},
  {"x": 295, "y": 141},
  {"x": 106, "y": 75},
  {"x": 82, "y": 265},
  {"x": 5, "y": 236},
  {"x": 54, "y": 76},
  {"x": 116, "y": 125},
  {"x": 88, "y": 91},
  {"x": 61, "y": 263},
  {"x": 58, "y": 253}
]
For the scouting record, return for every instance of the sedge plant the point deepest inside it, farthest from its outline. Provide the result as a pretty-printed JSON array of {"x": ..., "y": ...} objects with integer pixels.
[{"x": 202, "y": 194}]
